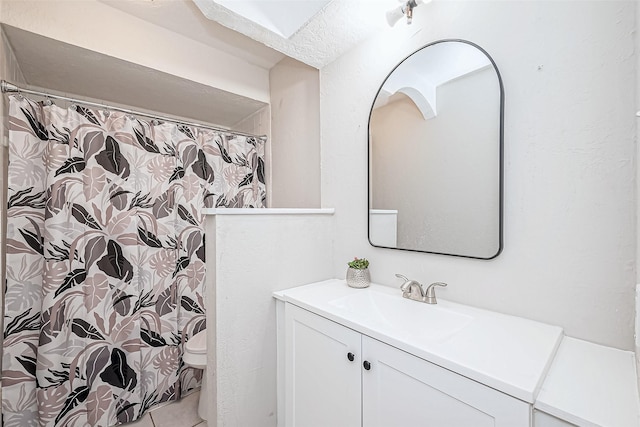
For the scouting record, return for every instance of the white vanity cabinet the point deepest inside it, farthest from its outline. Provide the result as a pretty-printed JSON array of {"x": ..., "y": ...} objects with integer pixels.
[
  {"x": 335, "y": 376},
  {"x": 322, "y": 386}
]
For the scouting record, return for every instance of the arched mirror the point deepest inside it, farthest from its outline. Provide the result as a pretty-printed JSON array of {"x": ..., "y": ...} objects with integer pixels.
[{"x": 435, "y": 153}]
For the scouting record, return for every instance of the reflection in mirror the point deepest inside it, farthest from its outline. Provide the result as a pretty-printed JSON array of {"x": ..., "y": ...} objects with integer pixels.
[{"x": 435, "y": 154}]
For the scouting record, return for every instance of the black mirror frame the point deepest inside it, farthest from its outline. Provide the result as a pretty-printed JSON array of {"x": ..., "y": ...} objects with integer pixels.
[{"x": 501, "y": 199}]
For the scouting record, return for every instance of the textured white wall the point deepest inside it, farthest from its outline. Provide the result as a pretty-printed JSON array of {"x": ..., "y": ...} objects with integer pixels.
[
  {"x": 637, "y": 326},
  {"x": 295, "y": 134},
  {"x": 256, "y": 255},
  {"x": 9, "y": 70},
  {"x": 569, "y": 70},
  {"x": 637, "y": 91}
]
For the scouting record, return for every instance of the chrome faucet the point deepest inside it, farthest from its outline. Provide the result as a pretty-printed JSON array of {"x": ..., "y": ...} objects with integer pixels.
[
  {"x": 413, "y": 290},
  {"x": 430, "y": 294}
]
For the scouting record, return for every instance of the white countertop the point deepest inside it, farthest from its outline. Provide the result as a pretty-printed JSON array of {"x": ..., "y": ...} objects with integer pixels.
[
  {"x": 507, "y": 353},
  {"x": 267, "y": 211},
  {"x": 591, "y": 385}
]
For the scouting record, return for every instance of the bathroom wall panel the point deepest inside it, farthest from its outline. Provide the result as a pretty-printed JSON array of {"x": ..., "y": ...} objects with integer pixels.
[
  {"x": 637, "y": 334},
  {"x": 254, "y": 256},
  {"x": 211, "y": 304},
  {"x": 637, "y": 91},
  {"x": 295, "y": 127},
  {"x": 570, "y": 195}
]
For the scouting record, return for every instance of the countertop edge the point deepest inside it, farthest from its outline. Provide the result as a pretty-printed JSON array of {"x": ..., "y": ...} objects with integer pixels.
[
  {"x": 547, "y": 367},
  {"x": 267, "y": 211},
  {"x": 563, "y": 415}
]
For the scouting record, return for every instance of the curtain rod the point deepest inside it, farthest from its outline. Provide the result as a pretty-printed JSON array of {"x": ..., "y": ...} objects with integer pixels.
[{"x": 6, "y": 87}]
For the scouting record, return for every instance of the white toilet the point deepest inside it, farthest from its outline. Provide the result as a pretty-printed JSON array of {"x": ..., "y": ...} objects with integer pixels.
[{"x": 195, "y": 355}]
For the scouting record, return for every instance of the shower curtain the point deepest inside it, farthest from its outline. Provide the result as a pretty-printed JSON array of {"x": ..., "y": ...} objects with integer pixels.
[{"x": 105, "y": 258}]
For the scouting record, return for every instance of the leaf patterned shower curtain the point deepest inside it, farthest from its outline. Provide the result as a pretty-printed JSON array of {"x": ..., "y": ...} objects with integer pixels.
[{"x": 105, "y": 258}]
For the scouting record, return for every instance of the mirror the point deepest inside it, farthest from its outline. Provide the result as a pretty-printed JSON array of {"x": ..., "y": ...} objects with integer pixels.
[{"x": 435, "y": 153}]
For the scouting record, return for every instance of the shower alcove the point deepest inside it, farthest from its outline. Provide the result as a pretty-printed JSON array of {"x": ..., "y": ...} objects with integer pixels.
[{"x": 191, "y": 81}]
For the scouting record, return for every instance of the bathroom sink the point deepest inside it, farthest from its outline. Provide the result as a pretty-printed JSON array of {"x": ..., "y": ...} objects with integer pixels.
[
  {"x": 507, "y": 353},
  {"x": 412, "y": 320}
]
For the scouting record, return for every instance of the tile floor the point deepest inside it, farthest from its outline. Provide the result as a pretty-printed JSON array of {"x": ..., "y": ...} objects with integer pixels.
[{"x": 183, "y": 413}]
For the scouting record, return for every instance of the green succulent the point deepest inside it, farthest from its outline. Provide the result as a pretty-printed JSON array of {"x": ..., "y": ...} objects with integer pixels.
[{"x": 359, "y": 264}]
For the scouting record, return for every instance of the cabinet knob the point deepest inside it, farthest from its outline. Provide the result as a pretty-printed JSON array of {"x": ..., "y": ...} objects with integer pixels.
[
  {"x": 351, "y": 357},
  {"x": 366, "y": 365}
]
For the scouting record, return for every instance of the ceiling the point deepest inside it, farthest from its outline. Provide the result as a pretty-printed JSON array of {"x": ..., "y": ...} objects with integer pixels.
[
  {"x": 283, "y": 17},
  {"x": 336, "y": 28}
]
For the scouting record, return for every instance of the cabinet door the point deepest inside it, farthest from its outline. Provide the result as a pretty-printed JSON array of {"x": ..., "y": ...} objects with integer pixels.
[
  {"x": 322, "y": 384},
  {"x": 403, "y": 390}
]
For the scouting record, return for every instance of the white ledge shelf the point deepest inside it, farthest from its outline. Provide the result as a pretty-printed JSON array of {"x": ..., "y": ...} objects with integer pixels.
[
  {"x": 383, "y": 211},
  {"x": 591, "y": 385},
  {"x": 267, "y": 211}
]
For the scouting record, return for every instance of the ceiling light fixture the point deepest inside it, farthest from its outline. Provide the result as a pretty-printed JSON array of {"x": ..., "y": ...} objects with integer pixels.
[{"x": 405, "y": 9}]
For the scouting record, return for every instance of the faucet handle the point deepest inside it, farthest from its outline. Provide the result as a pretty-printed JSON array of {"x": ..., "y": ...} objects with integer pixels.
[
  {"x": 430, "y": 294},
  {"x": 406, "y": 283}
]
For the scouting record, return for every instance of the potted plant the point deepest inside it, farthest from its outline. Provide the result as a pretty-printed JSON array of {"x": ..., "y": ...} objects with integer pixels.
[{"x": 358, "y": 273}]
